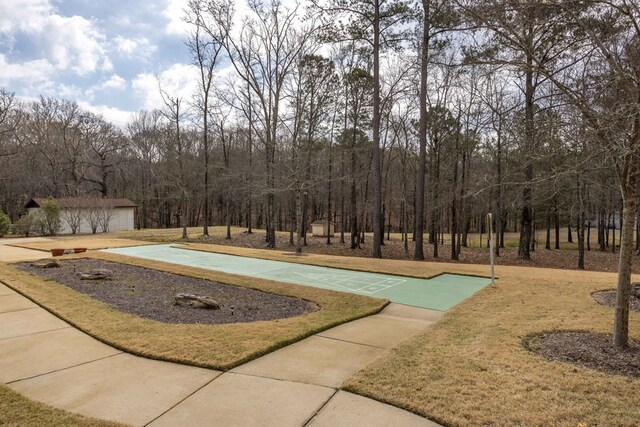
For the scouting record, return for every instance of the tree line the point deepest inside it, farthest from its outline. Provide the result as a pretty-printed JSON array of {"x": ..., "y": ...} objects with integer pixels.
[{"x": 379, "y": 115}]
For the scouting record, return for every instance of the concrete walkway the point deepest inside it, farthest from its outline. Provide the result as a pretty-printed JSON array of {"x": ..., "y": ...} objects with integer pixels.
[{"x": 46, "y": 359}]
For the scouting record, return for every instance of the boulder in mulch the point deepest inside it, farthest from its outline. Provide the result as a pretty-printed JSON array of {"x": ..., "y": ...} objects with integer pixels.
[
  {"x": 96, "y": 274},
  {"x": 46, "y": 263},
  {"x": 197, "y": 301}
]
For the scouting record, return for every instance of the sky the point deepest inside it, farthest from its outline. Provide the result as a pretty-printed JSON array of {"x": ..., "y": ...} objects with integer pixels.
[{"x": 105, "y": 55}]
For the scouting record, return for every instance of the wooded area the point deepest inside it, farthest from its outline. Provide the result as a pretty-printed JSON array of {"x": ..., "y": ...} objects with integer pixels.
[{"x": 382, "y": 116}]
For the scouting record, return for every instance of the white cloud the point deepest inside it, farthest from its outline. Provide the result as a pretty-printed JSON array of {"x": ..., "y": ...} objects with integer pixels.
[
  {"x": 138, "y": 47},
  {"x": 178, "y": 80},
  {"x": 25, "y": 15},
  {"x": 114, "y": 82},
  {"x": 114, "y": 115},
  {"x": 174, "y": 12},
  {"x": 68, "y": 91},
  {"x": 31, "y": 72},
  {"x": 68, "y": 43},
  {"x": 74, "y": 43}
]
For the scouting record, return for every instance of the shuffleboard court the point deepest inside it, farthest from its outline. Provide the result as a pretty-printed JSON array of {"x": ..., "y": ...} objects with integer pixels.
[{"x": 438, "y": 293}]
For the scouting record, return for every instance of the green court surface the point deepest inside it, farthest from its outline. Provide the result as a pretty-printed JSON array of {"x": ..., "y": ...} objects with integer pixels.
[{"x": 438, "y": 293}]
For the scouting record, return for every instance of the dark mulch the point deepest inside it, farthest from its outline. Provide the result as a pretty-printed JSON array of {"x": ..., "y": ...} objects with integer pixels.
[
  {"x": 150, "y": 294},
  {"x": 608, "y": 298},
  {"x": 589, "y": 350}
]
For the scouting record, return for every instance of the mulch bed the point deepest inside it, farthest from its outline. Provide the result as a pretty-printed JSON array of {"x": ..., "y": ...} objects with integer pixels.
[
  {"x": 150, "y": 294},
  {"x": 589, "y": 350},
  {"x": 608, "y": 298}
]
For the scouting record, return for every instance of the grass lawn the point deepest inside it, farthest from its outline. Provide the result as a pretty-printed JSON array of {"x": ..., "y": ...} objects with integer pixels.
[
  {"x": 471, "y": 368},
  {"x": 213, "y": 346},
  {"x": 18, "y": 411}
]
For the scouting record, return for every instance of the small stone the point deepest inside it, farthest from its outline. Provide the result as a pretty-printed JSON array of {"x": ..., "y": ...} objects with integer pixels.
[
  {"x": 46, "y": 263},
  {"x": 197, "y": 301}
]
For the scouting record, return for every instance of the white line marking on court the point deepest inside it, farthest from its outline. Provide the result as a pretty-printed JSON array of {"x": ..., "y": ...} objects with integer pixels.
[{"x": 370, "y": 288}]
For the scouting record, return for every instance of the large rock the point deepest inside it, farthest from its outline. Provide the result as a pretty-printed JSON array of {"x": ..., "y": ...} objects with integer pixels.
[
  {"x": 197, "y": 301},
  {"x": 97, "y": 274},
  {"x": 46, "y": 263}
]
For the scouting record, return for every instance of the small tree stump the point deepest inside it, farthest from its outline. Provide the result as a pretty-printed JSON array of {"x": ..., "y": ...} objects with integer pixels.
[
  {"x": 97, "y": 274},
  {"x": 46, "y": 263},
  {"x": 197, "y": 301}
]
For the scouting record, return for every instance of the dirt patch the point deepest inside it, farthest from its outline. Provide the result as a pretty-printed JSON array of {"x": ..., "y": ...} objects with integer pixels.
[
  {"x": 608, "y": 298},
  {"x": 589, "y": 350},
  {"x": 150, "y": 294}
]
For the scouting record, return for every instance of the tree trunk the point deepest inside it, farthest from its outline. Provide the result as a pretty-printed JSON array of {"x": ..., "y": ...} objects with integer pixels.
[
  {"x": 299, "y": 221},
  {"x": 418, "y": 234},
  {"x": 228, "y": 220},
  {"x": 580, "y": 228},
  {"x": 547, "y": 242},
  {"x": 621, "y": 323},
  {"x": 601, "y": 231},
  {"x": 377, "y": 166},
  {"x": 569, "y": 235},
  {"x": 529, "y": 137}
]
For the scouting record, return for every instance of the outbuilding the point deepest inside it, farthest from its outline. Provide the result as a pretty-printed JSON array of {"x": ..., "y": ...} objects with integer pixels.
[
  {"x": 320, "y": 228},
  {"x": 88, "y": 214}
]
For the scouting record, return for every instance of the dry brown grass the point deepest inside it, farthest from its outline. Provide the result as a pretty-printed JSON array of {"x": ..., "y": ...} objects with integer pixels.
[
  {"x": 471, "y": 367},
  {"x": 213, "y": 346},
  {"x": 18, "y": 411},
  {"x": 92, "y": 242}
]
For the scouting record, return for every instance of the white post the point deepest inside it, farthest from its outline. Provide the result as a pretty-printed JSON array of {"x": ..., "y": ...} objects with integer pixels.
[{"x": 491, "y": 254}]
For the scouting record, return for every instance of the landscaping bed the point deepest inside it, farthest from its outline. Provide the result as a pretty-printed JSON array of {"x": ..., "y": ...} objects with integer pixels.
[
  {"x": 608, "y": 298},
  {"x": 594, "y": 351},
  {"x": 151, "y": 294},
  {"x": 218, "y": 346}
]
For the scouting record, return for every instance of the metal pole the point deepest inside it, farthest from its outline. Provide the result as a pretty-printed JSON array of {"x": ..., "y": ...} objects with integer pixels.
[{"x": 491, "y": 254}]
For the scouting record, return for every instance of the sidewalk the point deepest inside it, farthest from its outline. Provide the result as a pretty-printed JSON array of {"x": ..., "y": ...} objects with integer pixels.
[{"x": 48, "y": 360}]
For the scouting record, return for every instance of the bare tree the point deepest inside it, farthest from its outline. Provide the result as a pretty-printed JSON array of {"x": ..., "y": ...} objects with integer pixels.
[
  {"x": 205, "y": 50},
  {"x": 263, "y": 53},
  {"x": 72, "y": 216},
  {"x": 106, "y": 213},
  {"x": 93, "y": 213}
]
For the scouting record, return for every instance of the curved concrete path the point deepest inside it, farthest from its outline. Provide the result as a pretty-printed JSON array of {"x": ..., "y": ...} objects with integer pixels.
[{"x": 46, "y": 359}]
